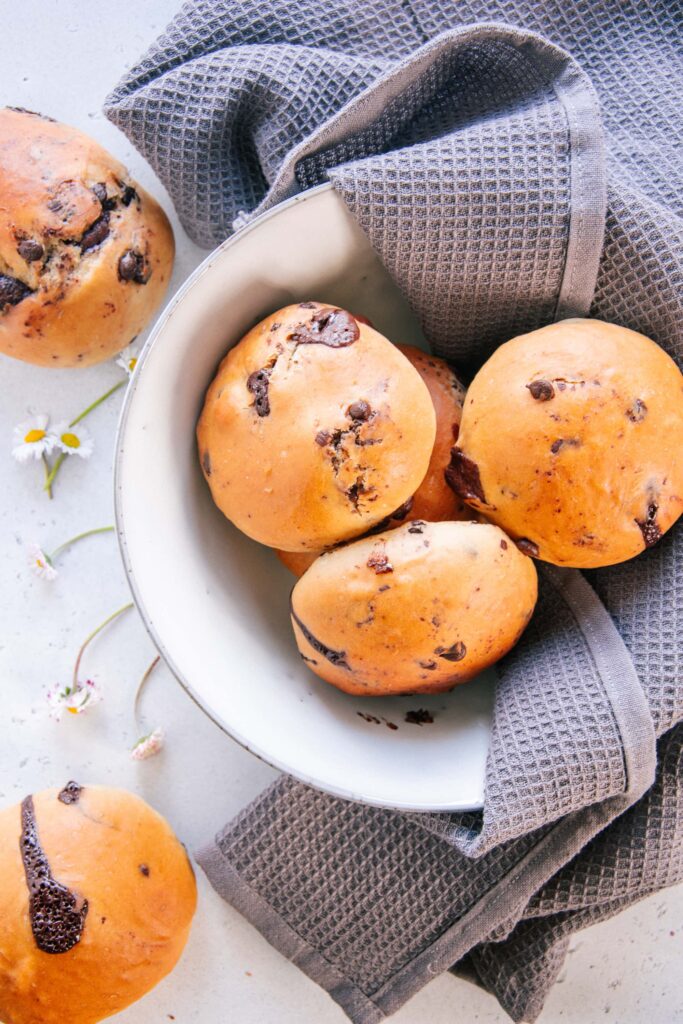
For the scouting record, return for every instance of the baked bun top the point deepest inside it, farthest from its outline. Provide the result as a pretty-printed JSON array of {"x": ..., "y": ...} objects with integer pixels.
[
  {"x": 85, "y": 253},
  {"x": 96, "y": 900},
  {"x": 572, "y": 441},
  {"x": 418, "y": 609},
  {"x": 314, "y": 429}
]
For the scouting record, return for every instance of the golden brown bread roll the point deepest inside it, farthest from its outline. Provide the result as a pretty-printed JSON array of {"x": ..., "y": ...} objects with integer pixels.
[
  {"x": 314, "y": 429},
  {"x": 418, "y": 609},
  {"x": 572, "y": 441},
  {"x": 85, "y": 253},
  {"x": 434, "y": 500},
  {"x": 96, "y": 900}
]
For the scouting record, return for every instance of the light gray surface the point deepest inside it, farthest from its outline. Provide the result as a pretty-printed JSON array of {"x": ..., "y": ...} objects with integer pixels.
[{"x": 63, "y": 60}]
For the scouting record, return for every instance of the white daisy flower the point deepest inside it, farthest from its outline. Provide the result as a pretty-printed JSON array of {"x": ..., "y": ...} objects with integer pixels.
[
  {"x": 73, "y": 440},
  {"x": 31, "y": 440},
  {"x": 128, "y": 359},
  {"x": 73, "y": 699},
  {"x": 40, "y": 562},
  {"x": 148, "y": 746}
]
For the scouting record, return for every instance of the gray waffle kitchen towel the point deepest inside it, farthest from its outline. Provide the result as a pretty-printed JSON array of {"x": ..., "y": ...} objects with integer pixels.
[{"x": 503, "y": 188}]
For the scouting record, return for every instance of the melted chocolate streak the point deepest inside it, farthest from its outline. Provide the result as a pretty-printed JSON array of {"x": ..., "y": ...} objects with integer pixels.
[
  {"x": 56, "y": 918},
  {"x": 337, "y": 658}
]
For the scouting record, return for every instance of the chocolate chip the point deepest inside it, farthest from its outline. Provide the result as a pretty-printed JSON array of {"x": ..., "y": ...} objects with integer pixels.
[
  {"x": 649, "y": 526},
  {"x": 379, "y": 561},
  {"x": 30, "y": 250},
  {"x": 417, "y": 526},
  {"x": 144, "y": 870},
  {"x": 541, "y": 390},
  {"x": 419, "y": 717},
  {"x": 323, "y": 437},
  {"x": 12, "y": 291},
  {"x": 382, "y": 589},
  {"x": 428, "y": 665},
  {"x": 275, "y": 326},
  {"x": 402, "y": 510},
  {"x": 462, "y": 476},
  {"x": 100, "y": 192},
  {"x": 307, "y": 305},
  {"x": 527, "y": 547},
  {"x": 56, "y": 914},
  {"x": 359, "y": 410},
  {"x": 33, "y": 113},
  {"x": 128, "y": 195},
  {"x": 206, "y": 463},
  {"x": 71, "y": 793},
  {"x": 96, "y": 233},
  {"x": 258, "y": 383},
  {"x": 332, "y": 327},
  {"x": 134, "y": 267},
  {"x": 556, "y": 445},
  {"x": 337, "y": 658},
  {"x": 637, "y": 411},
  {"x": 456, "y": 652}
]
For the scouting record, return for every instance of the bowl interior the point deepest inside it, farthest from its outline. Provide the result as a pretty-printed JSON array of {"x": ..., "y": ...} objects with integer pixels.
[{"x": 215, "y": 602}]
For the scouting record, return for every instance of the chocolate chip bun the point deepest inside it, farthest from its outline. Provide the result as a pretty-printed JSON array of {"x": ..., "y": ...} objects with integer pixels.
[
  {"x": 418, "y": 609},
  {"x": 572, "y": 441},
  {"x": 314, "y": 429},
  {"x": 85, "y": 253},
  {"x": 96, "y": 900},
  {"x": 434, "y": 500}
]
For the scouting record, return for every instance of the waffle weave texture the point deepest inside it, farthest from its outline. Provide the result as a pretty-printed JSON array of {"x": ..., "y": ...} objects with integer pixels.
[{"x": 512, "y": 163}]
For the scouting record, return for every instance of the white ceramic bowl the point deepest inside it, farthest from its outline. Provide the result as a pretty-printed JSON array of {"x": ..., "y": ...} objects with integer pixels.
[{"x": 215, "y": 602}]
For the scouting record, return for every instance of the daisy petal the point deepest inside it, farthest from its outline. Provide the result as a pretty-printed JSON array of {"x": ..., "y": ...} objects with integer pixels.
[
  {"x": 148, "y": 746},
  {"x": 31, "y": 439},
  {"x": 40, "y": 563}
]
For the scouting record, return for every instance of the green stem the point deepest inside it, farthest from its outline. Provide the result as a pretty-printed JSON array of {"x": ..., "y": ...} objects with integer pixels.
[
  {"x": 80, "y": 536},
  {"x": 98, "y": 401},
  {"x": 91, "y": 636},
  {"x": 48, "y": 479},
  {"x": 141, "y": 685}
]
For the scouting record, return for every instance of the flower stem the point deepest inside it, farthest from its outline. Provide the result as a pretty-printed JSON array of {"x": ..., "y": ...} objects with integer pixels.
[
  {"x": 91, "y": 636},
  {"x": 141, "y": 685},
  {"x": 48, "y": 478},
  {"x": 80, "y": 536},
  {"x": 98, "y": 401}
]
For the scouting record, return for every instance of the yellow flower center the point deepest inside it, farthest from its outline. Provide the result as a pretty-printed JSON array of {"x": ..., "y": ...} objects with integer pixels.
[
  {"x": 132, "y": 363},
  {"x": 40, "y": 563},
  {"x": 71, "y": 440},
  {"x": 72, "y": 711},
  {"x": 33, "y": 436}
]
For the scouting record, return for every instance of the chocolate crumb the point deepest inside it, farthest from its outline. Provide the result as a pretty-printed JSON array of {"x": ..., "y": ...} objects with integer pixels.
[
  {"x": 12, "y": 291},
  {"x": 637, "y": 411},
  {"x": 275, "y": 326},
  {"x": 307, "y": 305},
  {"x": 128, "y": 195},
  {"x": 70, "y": 794},
  {"x": 206, "y": 463},
  {"x": 649, "y": 526},
  {"x": 30, "y": 250},
  {"x": 419, "y": 717},
  {"x": 527, "y": 547},
  {"x": 382, "y": 589},
  {"x": 429, "y": 665},
  {"x": 144, "y": 870},
  {"x": 33, "y": 113},
  {"x": 379, "y": 561},
  {"x": 368, "y": 718},
  {"x": 390, "y": 725},
  {"x": 417, "y": 526},
  {"x": 462, "y": 476},
  {"x": 456, "y": 652},
  {"x": 504, "y": 545},
  {"x": 359, "y": 410},
  {"x": 541, "y": 390}
]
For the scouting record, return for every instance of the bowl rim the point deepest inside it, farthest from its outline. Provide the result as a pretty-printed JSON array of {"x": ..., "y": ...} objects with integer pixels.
[{"x": 158, "y": 327}]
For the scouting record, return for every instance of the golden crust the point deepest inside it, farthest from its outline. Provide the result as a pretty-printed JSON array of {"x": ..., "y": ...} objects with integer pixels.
[
  {"x": 418, "y": 609},
  {"x": 69, "y": 214},
  {"x": 136, "y": 925},
  {"x": 573, "y": 437},
  {"x": 306, "y": 443},
  {"x": 434, "y": 500}
]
